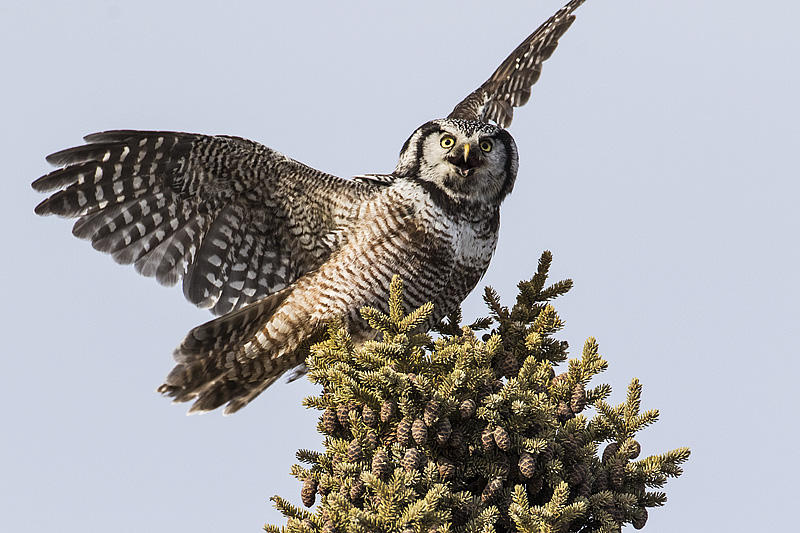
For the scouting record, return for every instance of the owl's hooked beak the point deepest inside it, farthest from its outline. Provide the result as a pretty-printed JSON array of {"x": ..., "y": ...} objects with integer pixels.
[{"x": 465, "y": 160}]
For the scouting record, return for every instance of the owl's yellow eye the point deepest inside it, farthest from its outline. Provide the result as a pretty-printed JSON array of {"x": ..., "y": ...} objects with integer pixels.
[
  {"x": 486, "y": 146},
  {"x": 447, "y": 141}
]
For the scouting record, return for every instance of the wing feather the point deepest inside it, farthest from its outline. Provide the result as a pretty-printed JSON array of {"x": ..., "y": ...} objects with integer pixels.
[
  {"x": 510, "y": 85},
  {"x": 235, "y": 219}
]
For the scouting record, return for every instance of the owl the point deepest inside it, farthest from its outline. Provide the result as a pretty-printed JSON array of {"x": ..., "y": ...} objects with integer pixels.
[{"x": 277, "y": 249}]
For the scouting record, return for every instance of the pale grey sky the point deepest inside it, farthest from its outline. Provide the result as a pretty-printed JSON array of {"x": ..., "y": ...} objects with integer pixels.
[{"x": 658, "y": 162}]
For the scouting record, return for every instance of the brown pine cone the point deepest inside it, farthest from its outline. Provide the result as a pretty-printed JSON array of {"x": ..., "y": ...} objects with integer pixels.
[
  {"x": 387, "y": 411},
  {"x": 491, "y": 490},
  {"x": 616, "y": 474},
  {"x": 578, "y": 474},
  {"x": 578, "y": 400},
  {"x": 559, "y": 379},
  {"x": 343, "y": 414},
  {"x": 443, "y": 430},
  {"x": 369, "y": 416},
  {"x": 419, "y": 432},
  {"x": 354, "y": 453},
  {"x": 412, "y": 459},
  {"x": 600, "y": 481},
  {"x": 329, "y": 421},
  {"x": 371, "y": 437},
  {"x": 467, "y": 408},
  {"x": 456, "y": 439},
  {"x": 610, "y": 451},
  {"x": 527, "y": 465},
  {"x": 309, "y": 491},
  {"x": 502, "y": 438},
  {"x": 446, "y": 468},
  {"x": 636, "y": 449},
  {"x": 356, "y": 490},
  {"x": 404, "y": 431},
  {"x": 564, "y": 412},
  {"x": 380, "y": 463},
  {"x": 509, "y": 366},
  {"x": 639, "y": 518},
  {"x": 487, "y": 439},
  {"x": 432, "y": 411}
]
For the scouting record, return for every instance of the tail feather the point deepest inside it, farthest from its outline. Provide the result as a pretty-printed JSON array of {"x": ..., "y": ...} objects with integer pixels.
[{"x": 211, "y": 369}]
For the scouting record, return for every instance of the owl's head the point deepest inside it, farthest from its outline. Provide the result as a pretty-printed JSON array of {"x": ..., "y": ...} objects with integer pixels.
[{"x": 469, "y": 161}]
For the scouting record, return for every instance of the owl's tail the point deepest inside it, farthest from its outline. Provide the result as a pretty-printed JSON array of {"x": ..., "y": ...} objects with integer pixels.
[{"x": 217, "y": 363}]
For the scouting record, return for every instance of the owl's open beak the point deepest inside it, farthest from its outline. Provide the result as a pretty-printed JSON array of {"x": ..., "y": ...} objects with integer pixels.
[{"x": 465, "y": 160}]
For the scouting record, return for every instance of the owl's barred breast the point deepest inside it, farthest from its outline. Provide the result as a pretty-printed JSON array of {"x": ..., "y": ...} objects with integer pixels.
[{"x": 440, "y": 256}]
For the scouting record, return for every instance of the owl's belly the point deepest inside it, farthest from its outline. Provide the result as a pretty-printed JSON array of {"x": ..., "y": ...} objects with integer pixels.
[{"x": 473, "y": 248}]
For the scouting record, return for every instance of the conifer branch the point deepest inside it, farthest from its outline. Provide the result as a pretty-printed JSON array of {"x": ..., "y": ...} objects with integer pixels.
[{"x": 466, "y": 434}]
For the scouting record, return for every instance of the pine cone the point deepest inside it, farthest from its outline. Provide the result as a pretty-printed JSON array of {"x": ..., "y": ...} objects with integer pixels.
[
  {"x": 309, "y": 491},
  {"x": 419, "y": 432},
  {"x": 387, "y": 411},
  {"x": 636, "y": 449},
  {"x": 343, "y": 414},
  {"x": 446, "y": 468},
  {"x": 616, "y": 474},
  {"x": 639, "y": 518},
  {"x": 412, "y": 459},
  {"x": 610, "y": 451},
  {"x": 578, "y": 400},
  {"x": 487, "y": 438},
  {"x": 527, "y": 465},
  {"x": 456, "y": 439},
  {"x": 443, "y": 430},
  {"x": 329, "y": 421},
  {"x": 571, "y": 444},
  {"x": 600, "y": 481},
  {"x": 371, "y": 436},
  {"x": 369, "y": 416},
  {"x": 432, "y": 411},
  {"x": 491, "y": 490},
  {"x": 578, "y": 474},
  {"x": 509, "y": 366},
  {"x": 564, "y": 412},
  {"x": 404, "y": 431},
  {"x": 356, "y": 490},
  {"x": 467, "y": 408},
  {"x": 559, "y": 379},
  {"x": 354, "y": 453},
  {"x": 380, "y": 463},
  {"x": 502, "y": 438}
]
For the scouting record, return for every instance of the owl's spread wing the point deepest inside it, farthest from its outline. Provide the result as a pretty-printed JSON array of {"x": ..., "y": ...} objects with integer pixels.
[
  {"x": 376, "y": 179},
  {"x": 233, "y": 218},
  {"x": 510, "y": 85}
]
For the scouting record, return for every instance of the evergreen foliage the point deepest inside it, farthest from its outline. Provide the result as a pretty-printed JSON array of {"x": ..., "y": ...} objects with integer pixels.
[{"x": 468, "y": 434}]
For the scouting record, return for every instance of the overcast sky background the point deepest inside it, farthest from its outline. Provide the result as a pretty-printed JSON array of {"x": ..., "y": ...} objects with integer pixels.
[{"x": 658, "y": 162}]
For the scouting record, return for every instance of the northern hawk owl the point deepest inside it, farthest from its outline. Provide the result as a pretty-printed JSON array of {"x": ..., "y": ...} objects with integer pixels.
[{"x": 278, "y": 249}]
